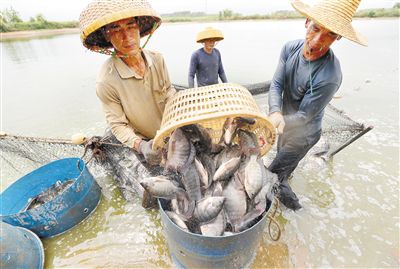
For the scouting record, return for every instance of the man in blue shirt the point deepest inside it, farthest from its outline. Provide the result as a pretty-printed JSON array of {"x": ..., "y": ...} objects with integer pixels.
[
  {"x": 206, "y": 63},
  {"x": 307, "y": 77}
]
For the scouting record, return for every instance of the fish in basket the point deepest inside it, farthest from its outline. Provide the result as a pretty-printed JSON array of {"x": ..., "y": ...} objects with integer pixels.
[{"x": 215, "y": 192}]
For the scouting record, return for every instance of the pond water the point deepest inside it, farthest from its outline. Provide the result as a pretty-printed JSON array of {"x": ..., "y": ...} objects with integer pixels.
[{"x": 351, "y": 205}]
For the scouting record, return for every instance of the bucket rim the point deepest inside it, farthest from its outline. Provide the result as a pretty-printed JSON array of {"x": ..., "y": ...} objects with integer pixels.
[
  {"x": 76, "y": 180},
  {"x": 36, "y": 239}
]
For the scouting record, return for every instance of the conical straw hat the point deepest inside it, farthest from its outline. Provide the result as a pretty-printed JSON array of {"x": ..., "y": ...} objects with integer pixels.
[
  {"x": 102, "y": 12},
  {"x": 335, "y": 15},
  {"x": 208, "y": 33}
]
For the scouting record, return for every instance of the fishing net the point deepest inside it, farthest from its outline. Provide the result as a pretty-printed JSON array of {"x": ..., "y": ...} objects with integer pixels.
[{"x": 20, "y": 155}]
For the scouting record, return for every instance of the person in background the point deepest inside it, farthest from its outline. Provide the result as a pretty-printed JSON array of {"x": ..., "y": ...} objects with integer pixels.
[
  {"x": 307, "y": 77},
  {"x": 133, "y": 84},
  {"x": 206, "y": 62}
]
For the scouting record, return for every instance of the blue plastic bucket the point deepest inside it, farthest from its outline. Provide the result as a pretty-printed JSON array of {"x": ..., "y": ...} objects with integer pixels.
[
  {"x": 60, "y": 214},
  {"x": 189, "y": 250},
  {"x": 20, "y": 248}
]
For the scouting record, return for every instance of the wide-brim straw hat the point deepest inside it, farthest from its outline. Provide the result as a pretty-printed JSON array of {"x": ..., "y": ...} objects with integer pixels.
[
  {"x": 335, "y": 15},
  {"x": 209, "y": 33},
  {"x": 102, "y": 12}
]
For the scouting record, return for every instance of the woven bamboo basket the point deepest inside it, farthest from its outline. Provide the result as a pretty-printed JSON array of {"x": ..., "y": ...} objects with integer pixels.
[{"x": 210, "y": 106}]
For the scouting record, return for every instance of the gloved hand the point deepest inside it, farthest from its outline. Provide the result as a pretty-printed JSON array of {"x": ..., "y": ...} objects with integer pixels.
[
  {"x": 152, "y": 157},
  {"x": 277, "y": 120}
]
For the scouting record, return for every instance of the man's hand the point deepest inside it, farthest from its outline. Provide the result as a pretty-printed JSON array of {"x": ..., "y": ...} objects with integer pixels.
[
  {"x": 151, "y": 156},
  {"x": 277, "y": 120}
]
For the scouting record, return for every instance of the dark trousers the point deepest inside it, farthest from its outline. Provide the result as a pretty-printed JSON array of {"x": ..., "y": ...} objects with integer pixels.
[{"x": 292, "y": 147}]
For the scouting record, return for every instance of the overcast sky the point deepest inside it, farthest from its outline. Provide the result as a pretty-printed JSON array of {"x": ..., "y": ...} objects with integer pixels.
[{"x": 56, "y": 10}]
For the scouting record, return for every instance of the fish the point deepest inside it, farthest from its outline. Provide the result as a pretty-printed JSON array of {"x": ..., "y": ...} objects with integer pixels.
[
  {"x": 229, "y": 131},
  {"x": 253, "y": 177},
  {"x": 209, "y": 165},
  {"x": 248, "y": 220},
  {"x": 177, "y": 220},
  {"x": 199, "y": 136},
  {"x": 208, "y": 208},
  {"x": 181, "y": 151},
  {"x": 227, "y": 169},
  {"x": 203, "y": 174},
  {"x": 231, "y": 126},
  {"x": 215, "y": 227},
  {"x": 49, "y": 194},
  {"x": 235, "y": 204},
  {"x": 227, "y": 154},
  {"x": 248, "y": 143},
  {"x": 161, "y": 187},
  {"x": 191, "y": 182}
]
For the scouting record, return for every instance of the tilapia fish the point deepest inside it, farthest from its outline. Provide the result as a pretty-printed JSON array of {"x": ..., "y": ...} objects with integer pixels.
[
  {"x": 161, "y": 187},
  {"x": 227, "y": 169},
  {"x": 213, "y": 192},
  {"x": 52, "y": 192},
  {"x": 181, "y": 151},
  {"x": 191, "y": 181},
  {"x": 253, "y": 180},
  {"x": 177, "y": 220},
  {"x": 208, "y": 208},
  {"x": 248, "y": 143},
  {"x": 235, "y": 204}
]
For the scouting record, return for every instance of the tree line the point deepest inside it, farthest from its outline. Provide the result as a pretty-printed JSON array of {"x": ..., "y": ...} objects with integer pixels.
[{"x": 10, "y": 20}]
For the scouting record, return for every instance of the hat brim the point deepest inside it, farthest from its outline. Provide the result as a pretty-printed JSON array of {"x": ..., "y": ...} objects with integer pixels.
[
  {"x": 215, "y": 38},
  {"x": 92, "y": 35},
  {"x": 209, "y": 33},
  {"x": 332, "y": 23}
]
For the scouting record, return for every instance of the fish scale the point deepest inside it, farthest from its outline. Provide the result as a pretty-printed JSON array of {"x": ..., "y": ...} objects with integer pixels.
[{"x": 253, "y": 177}]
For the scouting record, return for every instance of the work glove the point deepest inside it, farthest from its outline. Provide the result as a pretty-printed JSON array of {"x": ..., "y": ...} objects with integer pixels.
[
  {"x": 277, "y": 120},
  {"x": 152, "y": 157}
]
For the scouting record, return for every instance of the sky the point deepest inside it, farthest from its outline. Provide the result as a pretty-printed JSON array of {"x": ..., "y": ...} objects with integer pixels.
[{"x": 56, "y": 10}]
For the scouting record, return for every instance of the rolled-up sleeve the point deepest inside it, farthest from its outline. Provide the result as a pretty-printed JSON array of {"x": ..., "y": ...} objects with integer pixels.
[{"x": 115, "y": 115}]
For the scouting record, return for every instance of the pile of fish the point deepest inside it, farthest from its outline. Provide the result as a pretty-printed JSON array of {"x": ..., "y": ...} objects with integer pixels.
[{"x": 214, "y": 189}]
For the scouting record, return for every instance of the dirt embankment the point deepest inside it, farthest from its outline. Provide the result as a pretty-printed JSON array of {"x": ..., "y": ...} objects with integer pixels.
[{"x": 37, "y": 33}]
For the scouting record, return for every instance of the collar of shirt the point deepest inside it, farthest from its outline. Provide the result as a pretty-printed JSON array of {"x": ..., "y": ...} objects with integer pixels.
[{"x": 125, "y": 72}]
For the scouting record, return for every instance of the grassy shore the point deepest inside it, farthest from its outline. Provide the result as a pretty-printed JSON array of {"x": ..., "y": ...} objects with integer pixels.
[
  {"x": 36, "y": 33},
  {"x": 15, "y": 28}
]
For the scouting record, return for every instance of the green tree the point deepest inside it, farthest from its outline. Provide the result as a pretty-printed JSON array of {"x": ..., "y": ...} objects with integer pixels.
[
  {"x": 9, "y": 15},
  {"x": 227, "y": 13},
  {"x": 397, "y": 5},
  {"x": 40, "y": 18}
]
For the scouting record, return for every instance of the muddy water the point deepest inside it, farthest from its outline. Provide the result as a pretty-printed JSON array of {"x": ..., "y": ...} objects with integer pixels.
[{"x": 351, "y": 204}]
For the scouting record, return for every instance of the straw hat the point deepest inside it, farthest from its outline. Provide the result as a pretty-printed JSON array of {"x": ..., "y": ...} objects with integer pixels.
[
  {"x": 102, "y": 12},
  {"x": 208, "y": 33},
  {"x": 335, "y": 15}
]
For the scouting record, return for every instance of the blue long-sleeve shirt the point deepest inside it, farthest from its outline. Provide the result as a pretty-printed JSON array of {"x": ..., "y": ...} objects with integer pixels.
[
  {"x": 291, "y": 93},
  {"x": 206, "y": 67}
]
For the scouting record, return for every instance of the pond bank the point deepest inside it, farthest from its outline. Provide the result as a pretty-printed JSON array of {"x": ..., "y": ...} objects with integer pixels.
[{"x": 37, "y": 33}]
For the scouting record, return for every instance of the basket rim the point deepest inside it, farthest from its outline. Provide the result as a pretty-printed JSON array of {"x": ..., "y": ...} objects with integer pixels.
[{"x": 165, "y": 132}]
